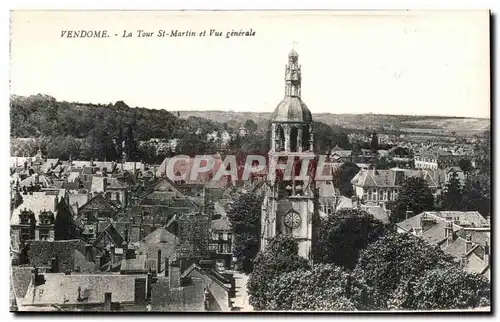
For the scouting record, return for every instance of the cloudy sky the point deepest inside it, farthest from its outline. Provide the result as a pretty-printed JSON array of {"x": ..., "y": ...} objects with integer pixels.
[{"x": 416, "y": 62}]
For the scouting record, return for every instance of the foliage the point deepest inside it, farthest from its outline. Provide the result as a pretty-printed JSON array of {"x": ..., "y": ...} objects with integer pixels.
[
  {"x": 344, "y": 234},
  {"x": 395, "y": 258},
  {"x": 244, "y": 216},
  {"x": 280, "y": 256},
  {"x": 477, "y": 194},
  {"x": 327, "y": 137},
  {"x": 442, "y": 289},
  {"x": 342, "y": 177},
  {"x": 465, "y": 165},
  {"x": 88, "y": 131},
  {"x": 451, "y": 198},
  {"x": 414, "y": 195},
  {"x": 251, "y": 126},
  {"x": 323, "y": 287}
]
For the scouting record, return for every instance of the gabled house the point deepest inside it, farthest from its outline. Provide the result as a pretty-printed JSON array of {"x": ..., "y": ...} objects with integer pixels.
[{"x": 441, "y": 229}]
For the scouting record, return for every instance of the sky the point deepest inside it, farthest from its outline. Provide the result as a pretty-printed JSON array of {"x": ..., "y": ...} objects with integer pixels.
[{"x": 410, "y": 62}]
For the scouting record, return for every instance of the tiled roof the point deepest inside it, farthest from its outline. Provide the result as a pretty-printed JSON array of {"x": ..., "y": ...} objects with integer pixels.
[
  {"x": 138, "y": 264},
  {"x": 37, "y": 202},
  {"x": 457, "y": 248},
  {"x": 40, "y": 253},
  {"x": 221, "y": 224},
  {"x": 77, "y": 200},
  {"x": 377, "y": 212},
  {"x": 92, "y": 289},
  {"x": 475, "y": 264},
  {"x": 32, "y": 180},
  {"x": 98, "y": 184},
  {"x": 49, "y": 164},
  {"x": 160, "y": 235},
  {"x": 434, "y": 234},
  {"x": 464, "y": 217},
  {"x": 387, "y": 178}
]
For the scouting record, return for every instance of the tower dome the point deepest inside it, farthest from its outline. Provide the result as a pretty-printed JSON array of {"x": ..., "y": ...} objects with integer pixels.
[{"x": 292, "y": 109}]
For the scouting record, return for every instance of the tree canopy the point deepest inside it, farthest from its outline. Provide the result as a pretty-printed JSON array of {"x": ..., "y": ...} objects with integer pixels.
[
  {"x": 394, "y": 258},
  {"x": 414, "y": 195},
  {"x": 344, "y": 234}
]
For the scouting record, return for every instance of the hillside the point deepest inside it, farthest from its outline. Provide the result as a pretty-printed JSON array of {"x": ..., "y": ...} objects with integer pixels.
[{"x": 379, "y": 122}]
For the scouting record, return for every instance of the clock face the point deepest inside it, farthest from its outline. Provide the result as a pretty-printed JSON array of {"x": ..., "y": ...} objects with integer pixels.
[{"x": 292, "y": 220}]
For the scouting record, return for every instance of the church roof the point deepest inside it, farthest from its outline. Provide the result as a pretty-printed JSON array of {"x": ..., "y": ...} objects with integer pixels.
[
  {"x": 292, "y": 109},
  {"x": 293, "y": 53}
]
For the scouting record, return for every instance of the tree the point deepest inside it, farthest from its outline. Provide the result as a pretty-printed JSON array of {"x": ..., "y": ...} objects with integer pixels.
[
  {"x": 251, "y": 126},
  {"x": 279, "y": 257},
  {"x": 342, "y": 177},
  {"x": 477, "y": 194},
  {"x": 374, "y": 142},
  {"x": 451, "y": 198},
  {"x": 414, "y": 195},
  {"x": 465, "y": 165},
  {"x": 130, "y": 145},
  {"x": 395, "y": 258},
  {"x": 344, "y": 234},
  {"x": 323, "y": 287},
  {"x": 442, "y": 289},
  {"x": 244, "y": 216}
]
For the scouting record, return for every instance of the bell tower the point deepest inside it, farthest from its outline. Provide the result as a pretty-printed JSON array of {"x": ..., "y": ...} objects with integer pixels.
[{"x": 290, "y": 201}]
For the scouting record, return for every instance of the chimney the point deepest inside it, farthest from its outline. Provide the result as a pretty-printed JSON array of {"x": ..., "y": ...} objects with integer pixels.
[
  {"x": 54, "y": 265},
  {"x": 487, "y": 254},
  {"x": 468, "y": 243},
  {"x": 98, "y": 263},
  {"x": 112, "y": 251},
  {"x": 167, "y": 266},
  {"x": 426, "y": 222},
  {"x": 125, "y": 250},
  {"x": 126, "y": 234},
  {"x": 409, "y": 214},
  {"x": 34, "y": 276},
  {"x": 107, "y": 301},
  {"x": 88, "y": 252},
  {"x": 174, "y": 275},
  {"x": 149, "y": 280},
  {"x": 463, "y": 261},
  {"x": 158, "y": 264},
  {"x": 448, "y": 232}
]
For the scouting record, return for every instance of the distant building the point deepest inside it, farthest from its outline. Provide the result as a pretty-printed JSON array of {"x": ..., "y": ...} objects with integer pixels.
[
  {"x": 380, "y": 186},
  {"x": 436, "y": 160}
]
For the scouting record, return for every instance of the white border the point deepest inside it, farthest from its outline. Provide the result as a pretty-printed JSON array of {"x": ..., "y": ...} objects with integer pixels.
[{"x": 494, "y": 5}]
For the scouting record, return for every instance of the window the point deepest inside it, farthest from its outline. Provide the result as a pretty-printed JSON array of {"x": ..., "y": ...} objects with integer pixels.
[
  {"x": 226, "y": 248},
  {"x": 44, "y": 234},
  {"x": 220, "y": 236},
  {"x": 224, "y": 236},
  {"x": 329, "y": 210},
  {"x": 25, "y": 235},
  {"x": 117, "y": 196},
  {"x": 229, "y": 236},
  {"x": 221, "y": 248},
  {"x": 369, "y": 194},
  {"x": 214, "y": 236}
]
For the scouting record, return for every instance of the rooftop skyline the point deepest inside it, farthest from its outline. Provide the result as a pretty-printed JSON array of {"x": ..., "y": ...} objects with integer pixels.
[{"x": 417, "y": 62}]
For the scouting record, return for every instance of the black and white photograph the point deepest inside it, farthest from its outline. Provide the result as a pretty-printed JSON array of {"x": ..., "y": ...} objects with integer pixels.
[{"x": 250, "y": 161}]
